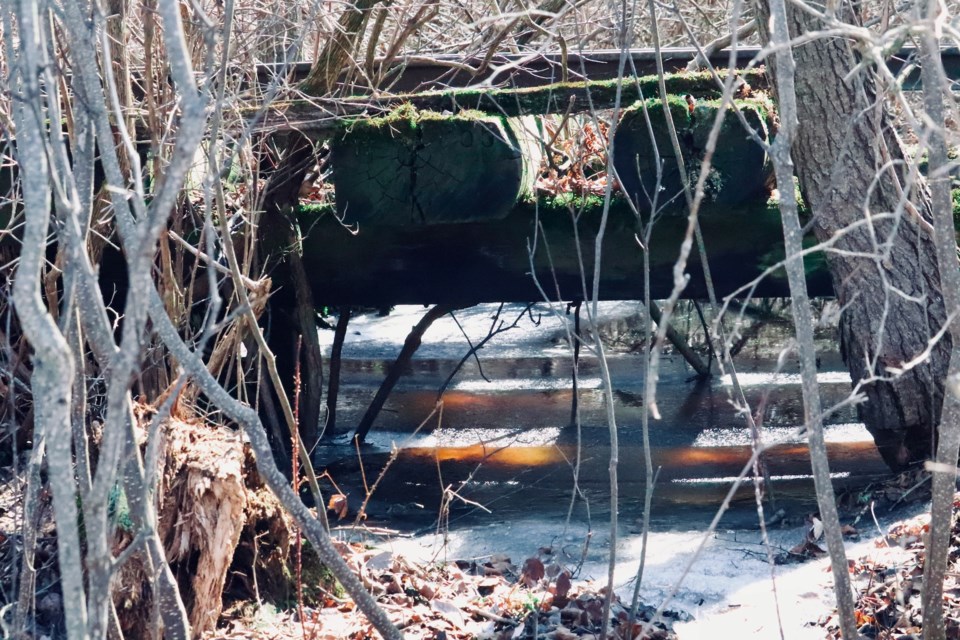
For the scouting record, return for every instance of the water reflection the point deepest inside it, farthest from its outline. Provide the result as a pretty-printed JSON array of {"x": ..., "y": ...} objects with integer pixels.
[{"x": 508, "y": 445}]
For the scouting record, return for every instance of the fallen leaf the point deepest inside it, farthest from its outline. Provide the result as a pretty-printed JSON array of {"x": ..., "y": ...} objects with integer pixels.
[
  {"x": 563, "y": 584},
  {"x": 381, "y": 561},
  {"x": 849, "y": 531},
  {"x": 425, "y": 588},
  {"x": 486, "y": 586},
  {"x": 807, "y": 548},
  {"x": 450, "y": 612},
  {"x": 816, "y": 530},
  {"x": 533, "y": 571},
  {"x": 338, "y": 504}
]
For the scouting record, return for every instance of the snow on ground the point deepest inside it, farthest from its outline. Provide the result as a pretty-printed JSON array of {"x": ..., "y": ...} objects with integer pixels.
[
  {"x": 372, "y": 336},
  {"x": 729, "y": 588}
]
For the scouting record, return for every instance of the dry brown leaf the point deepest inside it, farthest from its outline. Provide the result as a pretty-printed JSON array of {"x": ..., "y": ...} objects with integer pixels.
[
  {"x": 533, "y": 571},
  {"x": 807, "y": 549},
  {"x": 450, "y": 612},
  {"x": 428, "y": 590},
  {"x": 338, "y": 504},
  {"x": 563, "y": 585}
]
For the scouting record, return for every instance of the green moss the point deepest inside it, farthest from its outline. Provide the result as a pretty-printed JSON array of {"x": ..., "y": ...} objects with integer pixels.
[
  {"x": 555, "y": 97},
  {"x": 552, "y": 98},
  {"x": 316, "y": 578},
  {"x": 119, "y": 509},
  {"x": 563, "y": 202},
  {"x": 407, "y": 117},
  {"x": 679, "y": 109},
  {"x": 314, "y": 210}
]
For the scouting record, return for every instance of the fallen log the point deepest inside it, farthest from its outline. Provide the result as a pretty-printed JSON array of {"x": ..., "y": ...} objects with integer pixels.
[{"x": 434, "y": 208}]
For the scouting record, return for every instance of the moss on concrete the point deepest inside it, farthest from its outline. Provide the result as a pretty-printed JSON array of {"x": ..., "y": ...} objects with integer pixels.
[
  {"x": 739, "y": 168},
  {"x": 417, "y": 167}
]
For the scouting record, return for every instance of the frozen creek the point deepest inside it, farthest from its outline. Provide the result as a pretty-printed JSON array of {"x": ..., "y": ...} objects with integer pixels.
[{"x": 504, "y": 443}]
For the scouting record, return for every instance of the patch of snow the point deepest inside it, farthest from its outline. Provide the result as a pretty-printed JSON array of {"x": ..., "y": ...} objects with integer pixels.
[
  {"x": 738, "y": 436},
  {"x": 372, "y": 336},
  {"x": 755, "y": 379},
  {"x": 728, "y": 479},
  {"x": 526, "y": 384},
  {"x": 730, "y": 590}
]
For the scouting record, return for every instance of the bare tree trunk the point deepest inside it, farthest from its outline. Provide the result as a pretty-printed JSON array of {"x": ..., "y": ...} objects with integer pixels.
[
  {"x": 52, "y": 379},
  {"x": 306, "y": 314},
  {"x": 887, "y": 279},
  {"x": 780, "y": 152},
  {"x": 945, "y": 476},
  {"x": 282, "y": 195},
  {"x": 333, "y": 385},
  {"x": 410, "y": 346}
]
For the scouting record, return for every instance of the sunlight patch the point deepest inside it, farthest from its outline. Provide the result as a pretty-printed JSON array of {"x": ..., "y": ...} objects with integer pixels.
[
  {"x": 755, "y": 379},
  {"x": 537, "y": 437},
  {"x": 526, "y": 384},
  {"x": 746, "y": 481},
  {"x": 740, "y": 436}
]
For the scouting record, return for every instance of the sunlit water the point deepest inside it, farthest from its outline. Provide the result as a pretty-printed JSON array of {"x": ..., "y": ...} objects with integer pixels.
[
  {"x": 499, "y": 469},
  {"x": 504, "y": 445}
]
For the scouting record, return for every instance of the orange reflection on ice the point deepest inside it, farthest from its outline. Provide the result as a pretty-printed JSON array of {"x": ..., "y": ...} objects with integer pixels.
[{"x": 518, "y": 456}]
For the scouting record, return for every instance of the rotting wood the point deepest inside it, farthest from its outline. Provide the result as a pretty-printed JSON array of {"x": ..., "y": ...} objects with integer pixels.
[
  {"x": 201, "y": 512},
  {"x": 217, "y": 519}
]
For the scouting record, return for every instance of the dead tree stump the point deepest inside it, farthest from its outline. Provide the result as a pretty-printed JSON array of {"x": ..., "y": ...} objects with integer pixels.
[{"x": 202, "y": 503}]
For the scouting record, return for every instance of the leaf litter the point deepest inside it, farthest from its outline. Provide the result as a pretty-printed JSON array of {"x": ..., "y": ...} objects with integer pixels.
[
  {"x": 889, "y": 587},
  {"x": 496, "y": 598},
  {"x": 491, "y": 598}
]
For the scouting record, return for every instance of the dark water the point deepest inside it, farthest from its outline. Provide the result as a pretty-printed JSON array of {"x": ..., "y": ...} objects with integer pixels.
[{"x": 506, "y": 448}]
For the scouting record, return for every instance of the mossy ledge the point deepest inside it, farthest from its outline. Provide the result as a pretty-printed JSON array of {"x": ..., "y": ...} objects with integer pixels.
[{"x": 313, "y": 115}]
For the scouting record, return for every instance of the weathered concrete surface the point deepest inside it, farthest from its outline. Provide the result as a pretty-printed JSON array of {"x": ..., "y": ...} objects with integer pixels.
[
  {"x": 739, "y": 171},
  {"x": 489, "y": 261},
  {"x": 412, "y": 168},
  {"x": 444, "y": 212}
]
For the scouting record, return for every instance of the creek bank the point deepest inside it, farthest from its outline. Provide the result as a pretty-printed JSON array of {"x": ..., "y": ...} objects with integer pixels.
[{"x": 729, "y": 590}]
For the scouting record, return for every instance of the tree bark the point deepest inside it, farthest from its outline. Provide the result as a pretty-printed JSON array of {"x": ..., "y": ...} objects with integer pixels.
[
  {"x": 944, "y": 483},
  {"x": 281, "y": 196},
  {"x": 333, "y": 385},
  {"x": 306, "y": 314},
  {"x": 886, "y": 279}
]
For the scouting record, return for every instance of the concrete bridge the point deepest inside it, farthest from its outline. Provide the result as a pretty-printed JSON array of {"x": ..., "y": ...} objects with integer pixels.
[{"x": 436, "y": 196}]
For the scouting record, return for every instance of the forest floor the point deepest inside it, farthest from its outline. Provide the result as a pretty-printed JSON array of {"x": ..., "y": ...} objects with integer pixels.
[{"x": 543, "y": 595}]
